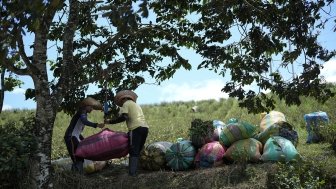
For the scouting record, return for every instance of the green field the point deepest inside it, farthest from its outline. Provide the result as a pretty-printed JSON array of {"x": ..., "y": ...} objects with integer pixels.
[{"x": 169, "y": 121}]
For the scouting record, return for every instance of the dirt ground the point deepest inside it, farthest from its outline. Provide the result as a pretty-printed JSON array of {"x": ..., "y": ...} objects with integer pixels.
[{"x": 223, "y": 176}]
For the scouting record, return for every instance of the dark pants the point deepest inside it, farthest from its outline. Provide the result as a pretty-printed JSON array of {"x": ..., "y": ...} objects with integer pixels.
[
  {"x": 137, "y": 139},
  {"x": 72, "y": 144}
]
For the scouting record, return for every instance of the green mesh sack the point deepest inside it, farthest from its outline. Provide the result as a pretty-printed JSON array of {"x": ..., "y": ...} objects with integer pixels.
[
  {"x": 282, "y": 129},
  {"x": 181, "y": 155},
  {"x": 153, "y": 156},
  {"x": 246, "y": 150},
  {"x": 272, "y": 130}
]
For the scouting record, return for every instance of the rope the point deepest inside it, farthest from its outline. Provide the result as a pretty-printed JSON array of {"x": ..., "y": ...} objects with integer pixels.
[{"x": 105, "y": 91}]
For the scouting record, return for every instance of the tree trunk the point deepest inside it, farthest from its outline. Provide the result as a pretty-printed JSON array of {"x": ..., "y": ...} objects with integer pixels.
[
  {"x": 2, "y": 89},
  {"x": 46, "y": 109},
  {"x": 45, "y": 117}
]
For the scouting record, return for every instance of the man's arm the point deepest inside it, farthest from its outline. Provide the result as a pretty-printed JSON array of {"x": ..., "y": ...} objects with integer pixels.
[
  {"x": 121, "y": 118},
  {"x": 85, "y": 121}
]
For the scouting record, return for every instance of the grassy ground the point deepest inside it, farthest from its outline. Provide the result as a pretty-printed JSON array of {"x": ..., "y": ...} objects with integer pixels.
[
  {"x": 115, "y": 176},
  {"x": 251, "y": 175},
  {"x": 171, "y": 121}
]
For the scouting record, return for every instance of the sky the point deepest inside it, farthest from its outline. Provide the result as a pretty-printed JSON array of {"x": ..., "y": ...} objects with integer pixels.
[{"x": 194, "y": 85}]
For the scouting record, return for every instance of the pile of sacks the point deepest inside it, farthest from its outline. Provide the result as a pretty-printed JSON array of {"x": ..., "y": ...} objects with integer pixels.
[
  {"x": 234, "y": 141},
  {"x": 211, "y": 143}
]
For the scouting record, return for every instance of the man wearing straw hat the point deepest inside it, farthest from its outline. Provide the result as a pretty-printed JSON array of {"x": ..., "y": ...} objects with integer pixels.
[
  {"x": 132, "y": 113},
  {"x": 73, "y": 134}
]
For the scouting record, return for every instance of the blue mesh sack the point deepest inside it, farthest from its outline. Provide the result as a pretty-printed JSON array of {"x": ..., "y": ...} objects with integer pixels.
[{"x": 313, "y": 122}]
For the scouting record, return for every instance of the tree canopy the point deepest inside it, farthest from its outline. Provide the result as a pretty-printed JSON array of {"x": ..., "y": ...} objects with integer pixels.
[{"x": 117, "y": 42}]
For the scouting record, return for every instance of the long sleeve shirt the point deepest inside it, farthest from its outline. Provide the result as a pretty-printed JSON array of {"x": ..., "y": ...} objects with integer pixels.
[{"x": 77, "y": 124}]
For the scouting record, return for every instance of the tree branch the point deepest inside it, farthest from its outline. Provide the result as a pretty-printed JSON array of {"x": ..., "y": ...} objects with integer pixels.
[
  {"x": 10, "y": 66},
  {"x": 69, "y": 33},
  {"x": 22, "y": 52},
  {"x": 101, "y": 74},
  {"x": 51, "y": 10}
]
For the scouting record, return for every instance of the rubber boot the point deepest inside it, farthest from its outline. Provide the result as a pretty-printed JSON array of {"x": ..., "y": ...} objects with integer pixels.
[
  {"x": 133, "y": 166},
  {"x": 78, "y": 167},
  {"x": 73, "y": 167}
]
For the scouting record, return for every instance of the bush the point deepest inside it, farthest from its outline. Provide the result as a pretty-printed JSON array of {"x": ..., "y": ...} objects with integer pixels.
[
  {"x": 301, "y": 174},
  {"x": 17, "y": 145},
  {"x": 329, "y": 134}
]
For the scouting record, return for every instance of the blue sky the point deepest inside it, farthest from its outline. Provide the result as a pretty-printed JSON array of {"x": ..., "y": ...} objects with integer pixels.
[{"x": 184, "y": 86}]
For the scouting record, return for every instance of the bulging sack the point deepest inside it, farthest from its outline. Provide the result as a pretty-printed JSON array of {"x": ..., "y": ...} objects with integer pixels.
[
  {"x": 280, "y": 128},
  {"x": 210, "y": 155},
  {"x": 93, "y": 166},
  {"x": 181, "y": 155},
  {"x": 278, "y": 148},
  {"x": 271, "y": 118},
  {"x": 236, "y": 131},
  {"x": 153, "y": 156},
  {"x": 104, "y": 145},
  {"x": 245, "y": 150}
]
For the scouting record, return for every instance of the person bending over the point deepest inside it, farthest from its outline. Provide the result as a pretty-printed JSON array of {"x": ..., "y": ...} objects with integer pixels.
[
  {"x": 137, "y": 127},
  {"x": 73, "y": 134}
]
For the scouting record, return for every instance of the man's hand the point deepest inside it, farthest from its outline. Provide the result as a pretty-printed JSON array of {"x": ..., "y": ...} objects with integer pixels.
[
  {"x": 101, "y": 125},
  {"x": 107, "y": 121}
]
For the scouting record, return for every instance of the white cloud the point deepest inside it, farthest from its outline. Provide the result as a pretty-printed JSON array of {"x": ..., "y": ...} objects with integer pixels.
[
  {"x": 18, "y": 91},
  {"x": 329, "y": 70},
  {"x": 205, "y": 90},
  {"x": 6, "y": 107}
]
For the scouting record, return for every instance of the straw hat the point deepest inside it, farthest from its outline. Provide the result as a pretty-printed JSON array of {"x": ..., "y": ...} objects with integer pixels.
[
  {"x": 124, "y": 94},
  {"x": 89, "y": 101}
]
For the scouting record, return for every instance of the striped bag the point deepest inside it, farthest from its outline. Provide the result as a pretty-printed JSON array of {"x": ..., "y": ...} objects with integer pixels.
[{"x": 236, "y": 131}]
